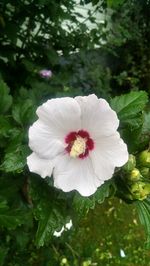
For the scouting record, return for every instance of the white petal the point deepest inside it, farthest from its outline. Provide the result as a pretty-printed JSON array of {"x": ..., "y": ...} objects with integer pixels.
[
  {"x": 97, "y": 116},
  {"x": 68, "y": 225},
  {"x": 43, "y": 141},
  {"x": 122, "y": 253},
  {"x": 61, "y": 114},
  {"x": 108, "y": 153},
  {"x": 70, "y": 174},
  {"x": 39, "y": 166},
  {"x": 59, "y": 233},
  {"x": 114, "y": 149},
  {"x": 103, "y": 167}
]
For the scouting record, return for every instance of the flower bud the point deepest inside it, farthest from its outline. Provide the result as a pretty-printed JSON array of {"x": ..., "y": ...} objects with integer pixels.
[
  {"x": 140, "y": 190},
  {"x": 128, "y": 196},
  {"x": 145, "y": 172},
  {"x": 144, "y": 158},
  {"x": 45, "y": 73},
  {"x": 131, "y": 163},
  {"x": 134, "y": 175}
]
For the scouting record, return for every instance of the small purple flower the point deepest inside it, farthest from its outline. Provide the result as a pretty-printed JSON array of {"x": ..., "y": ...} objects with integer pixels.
[{"x": 45, "y": 73}]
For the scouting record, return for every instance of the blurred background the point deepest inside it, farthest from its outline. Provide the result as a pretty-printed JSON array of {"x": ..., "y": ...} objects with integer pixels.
[{"x": 60, "y": 48}]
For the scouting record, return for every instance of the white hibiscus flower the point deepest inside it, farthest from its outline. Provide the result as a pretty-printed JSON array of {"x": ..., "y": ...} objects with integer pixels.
[{"x": 76, "y": 140}]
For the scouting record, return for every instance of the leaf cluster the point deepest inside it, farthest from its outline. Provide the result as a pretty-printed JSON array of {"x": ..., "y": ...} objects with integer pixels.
[
  {"x": 130, "y": 110},
  {"x": 134, "y": 125},
  {"x": 49, "y": 34}
]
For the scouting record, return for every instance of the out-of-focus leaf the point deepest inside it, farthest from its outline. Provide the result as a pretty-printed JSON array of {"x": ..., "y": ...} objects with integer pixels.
[
  {"x": 5, "y": 126},
  {"x": 3, "y": 253},
  {"x": 5, "y": 98},
  {"x": 11, "y": 218},
  {"x": 143, "y": 208},
  {"x": 114, "y": 3},
  {"x": 9, "y": 185},
  {"x": 146, "y": 124}
]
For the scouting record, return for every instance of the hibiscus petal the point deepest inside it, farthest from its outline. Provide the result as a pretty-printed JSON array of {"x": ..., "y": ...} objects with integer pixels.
[
  {"x": 43, "y": 141},
  {"x": 39, "y": 166},
  {"x": 97, "y": 116},
  {"x": 103, "y": 168},
  {"x": 70, "y": 174},
  {"x": 114, "y": 148},
  {"x": 62, "y": 115},
  {"x": 108, "y": 153}
]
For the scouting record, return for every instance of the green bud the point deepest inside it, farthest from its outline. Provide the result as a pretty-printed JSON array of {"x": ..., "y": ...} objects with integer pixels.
[
  {"x": 147, "y": 187},
  {"x": 128, "y": 196},
  {"x": 131, "y": 163},
  {"x": 140, "y": 190},
  {"x": 144, "y": 158},
  {"x": 134, "y": 175},
  {"x": 145, "y": 171}
]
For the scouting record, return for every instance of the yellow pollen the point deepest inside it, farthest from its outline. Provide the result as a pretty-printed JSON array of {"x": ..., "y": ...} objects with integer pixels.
[{"x": 78, "y": 147}]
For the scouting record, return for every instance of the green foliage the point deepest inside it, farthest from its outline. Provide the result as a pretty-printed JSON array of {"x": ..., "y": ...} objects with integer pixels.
[
  {"x": 11, "y": 218},
  {"x": 83, "y": 204},
  {"x": 15, "y": 161},
  {"x": 146, "y": 123},
  {"x": 114, "y": 4},
  {"x": 144, "y": 216},
  {"x": 108, "y": 58},
  {"x": 130, "y": 110},
  {"x": 6, "y": 99},
  {"x": 23, "y": 112},
  {"x": 101, "y": 235},
  {"x": 49, "y": 211},
  {"x": 129, "y": 105},
  {"x": 128, "y": 39}
]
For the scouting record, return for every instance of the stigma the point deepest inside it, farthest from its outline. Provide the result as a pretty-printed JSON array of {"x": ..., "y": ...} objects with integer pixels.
[{"x": 78, "y": 147}]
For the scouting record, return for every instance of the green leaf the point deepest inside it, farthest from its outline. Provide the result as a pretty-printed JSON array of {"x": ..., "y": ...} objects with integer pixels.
[
  {"x": 133, "y": 123},
  {"x": 146, "y": 124},
  {"x": 5, "y": 98},
  {"x": 11, "y": 218},
  {"x": 143, "y": 208},
  {"x": 132, "y": 139},
  {"x": 107, "y": 189},
  {"x": 49, "y": 211},
  {"x": 83, "y": 204},
  {"x": 3, "y": 253},
  {"x": 5, "y": 126},
  {"x": 3, "y": 204},
  {"x": 114, "y": 3},
  {"x": 22, "y": 237},
  {"x": 50, "y": 219},
  {"x": 15, "y": 161},
  {"x": 129, "y": 105},
  {"x": 9, "y": 186},
  {"x": 24, "y": 112}
]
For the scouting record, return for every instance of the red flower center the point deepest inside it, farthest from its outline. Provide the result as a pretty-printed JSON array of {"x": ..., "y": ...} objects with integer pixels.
[{"x": 79, "y": 144}]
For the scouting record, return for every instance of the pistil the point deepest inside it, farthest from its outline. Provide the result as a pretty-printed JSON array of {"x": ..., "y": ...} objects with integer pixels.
[{"x": 78, "y": 147}]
